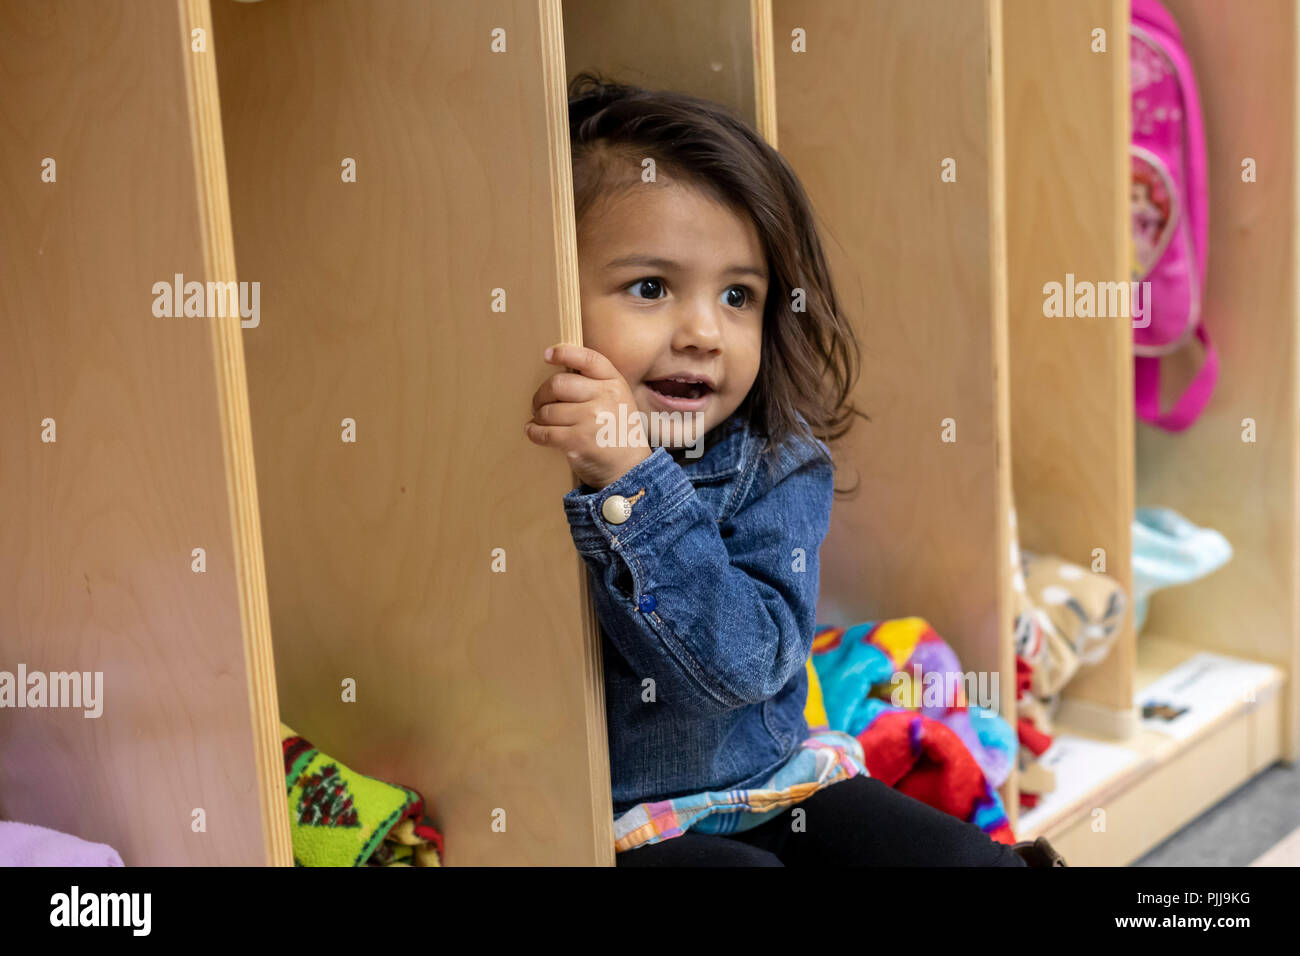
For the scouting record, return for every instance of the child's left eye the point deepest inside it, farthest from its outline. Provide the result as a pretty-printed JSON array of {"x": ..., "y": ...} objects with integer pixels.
[{"x": 746, "y": 296}]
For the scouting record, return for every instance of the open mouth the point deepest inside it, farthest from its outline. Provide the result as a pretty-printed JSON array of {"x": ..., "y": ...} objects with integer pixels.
[{"x": 679, "y": 388}]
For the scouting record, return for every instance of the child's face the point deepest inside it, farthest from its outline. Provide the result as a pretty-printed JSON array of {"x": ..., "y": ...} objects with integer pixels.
[{"x": 673, "y": 285}]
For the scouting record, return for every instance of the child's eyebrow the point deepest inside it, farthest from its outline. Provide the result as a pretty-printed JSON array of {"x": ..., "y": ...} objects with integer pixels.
[{"x": 669, "y": 265}]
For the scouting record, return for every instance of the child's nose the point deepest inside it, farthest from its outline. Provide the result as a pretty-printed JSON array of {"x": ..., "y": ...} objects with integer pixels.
[{"x": 700, "y": 327}]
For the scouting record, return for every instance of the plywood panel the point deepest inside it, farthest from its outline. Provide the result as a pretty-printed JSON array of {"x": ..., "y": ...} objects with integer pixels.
[
  {"x": 97, "y": 533},
  {"x": 919, "y": 266},
  {"x": 479, "y": 689},
  {"x": 703, "y": 47},
  {"x": 1071, "y": 377},
  {"x": 1246, "y": 67}
]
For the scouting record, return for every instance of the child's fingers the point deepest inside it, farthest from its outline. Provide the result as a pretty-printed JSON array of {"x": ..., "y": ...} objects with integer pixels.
[
  {"x": 559, "y": 413},
  {"x": 556, "y": 436},
  {"x": 583, "y": 360},
  {"x": 565, "y": 387}
]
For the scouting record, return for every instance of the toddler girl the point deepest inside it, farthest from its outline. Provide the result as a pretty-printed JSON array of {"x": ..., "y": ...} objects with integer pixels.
[{"x": 710, "y": 322}]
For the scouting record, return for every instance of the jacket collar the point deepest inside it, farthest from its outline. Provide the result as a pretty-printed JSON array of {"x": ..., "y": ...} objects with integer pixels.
[{"x": 725, "y": 456}]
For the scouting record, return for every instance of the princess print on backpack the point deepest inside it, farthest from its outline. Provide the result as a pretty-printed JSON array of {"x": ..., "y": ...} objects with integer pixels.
[{"x": 1170, "y": 210}]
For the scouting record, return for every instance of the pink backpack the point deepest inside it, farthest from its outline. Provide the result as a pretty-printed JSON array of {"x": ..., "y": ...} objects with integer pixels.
[{"x": 1170, "y": 210}]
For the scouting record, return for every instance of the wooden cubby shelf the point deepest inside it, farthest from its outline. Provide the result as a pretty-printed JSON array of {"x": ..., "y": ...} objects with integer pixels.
[
  {"x": 370, "y": 559},
  {"x": 1169, "y": 781}
]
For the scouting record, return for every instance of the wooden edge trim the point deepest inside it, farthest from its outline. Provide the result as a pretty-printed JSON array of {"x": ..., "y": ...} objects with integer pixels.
[
  {"x": 1001, "y": 362},
  {"x": 555, "y": 91},
  {"x": 764, "y": 69},
  {"x": 208, "y": 151}
]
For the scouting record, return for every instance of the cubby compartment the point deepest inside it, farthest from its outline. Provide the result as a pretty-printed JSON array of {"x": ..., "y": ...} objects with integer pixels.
[
  {"x": 130, "y": 540},
  {"x": 1223, "y": 648},
  {"x": 1235, "y": 469},
  {"x": 919, "y": 264},
  {"x": 400, "y": 186}
]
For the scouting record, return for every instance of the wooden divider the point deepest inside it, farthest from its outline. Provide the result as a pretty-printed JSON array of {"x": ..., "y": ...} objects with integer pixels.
[
  {"x": 479, "y": 687},
  {"x": 884, "y": 95},
  {"x": 124, "y": 447},
  {"x": 926, "y": 533},
  {"x": 1071, "y": 378},
  {"x": 1247, "y": 72}
]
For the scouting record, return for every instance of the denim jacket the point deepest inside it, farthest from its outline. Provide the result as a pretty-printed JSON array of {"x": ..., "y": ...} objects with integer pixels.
[{"x": 708, "y": 588}]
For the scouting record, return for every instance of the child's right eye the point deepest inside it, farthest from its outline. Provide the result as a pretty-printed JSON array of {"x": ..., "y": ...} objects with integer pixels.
[{"x": 653, "y": 288}]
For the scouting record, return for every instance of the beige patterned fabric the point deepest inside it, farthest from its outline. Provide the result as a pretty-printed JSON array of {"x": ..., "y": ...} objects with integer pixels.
[
  {"x": 1085, "y": 608},
  {"x": 1066, "y": 618}
]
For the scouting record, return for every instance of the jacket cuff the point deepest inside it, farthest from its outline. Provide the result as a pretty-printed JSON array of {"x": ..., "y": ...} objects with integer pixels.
[{"x": 650, "y": 490}]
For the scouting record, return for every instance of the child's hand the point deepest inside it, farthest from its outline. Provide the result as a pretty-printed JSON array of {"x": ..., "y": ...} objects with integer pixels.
[{"x": 566, "y": 409}]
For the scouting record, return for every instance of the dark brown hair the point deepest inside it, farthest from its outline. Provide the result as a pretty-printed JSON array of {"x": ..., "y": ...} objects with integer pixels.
[{"x": 810, "y": 359}]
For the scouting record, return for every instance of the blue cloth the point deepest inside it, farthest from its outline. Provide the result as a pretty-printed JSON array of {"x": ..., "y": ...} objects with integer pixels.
[
  {"x": 727, "y": 545},
  {"x": 1167, "y": 550},
  {"x": 847, "y": 675}
]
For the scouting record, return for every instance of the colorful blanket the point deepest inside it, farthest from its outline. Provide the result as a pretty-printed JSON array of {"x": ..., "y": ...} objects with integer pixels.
[
  {"x": 338, "y": 817},
  {"x": 898, "y": 688},
  {"x": 824, "y": 758}
]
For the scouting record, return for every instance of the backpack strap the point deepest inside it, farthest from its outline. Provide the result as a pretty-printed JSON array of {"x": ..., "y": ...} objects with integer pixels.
[{"x": 1146, "y": 388}]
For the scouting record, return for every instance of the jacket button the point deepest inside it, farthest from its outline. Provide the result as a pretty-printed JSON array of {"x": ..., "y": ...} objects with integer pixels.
[
  {"x": 616, "y": 510},
  {"x": 647, "y": 603}
]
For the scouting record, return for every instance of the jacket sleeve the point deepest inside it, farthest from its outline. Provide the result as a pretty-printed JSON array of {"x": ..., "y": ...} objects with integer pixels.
[{"x": 720, "y": 615}]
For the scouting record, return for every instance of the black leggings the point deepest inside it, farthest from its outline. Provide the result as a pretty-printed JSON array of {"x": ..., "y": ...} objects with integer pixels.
[{"x": 855, "y": 822}]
